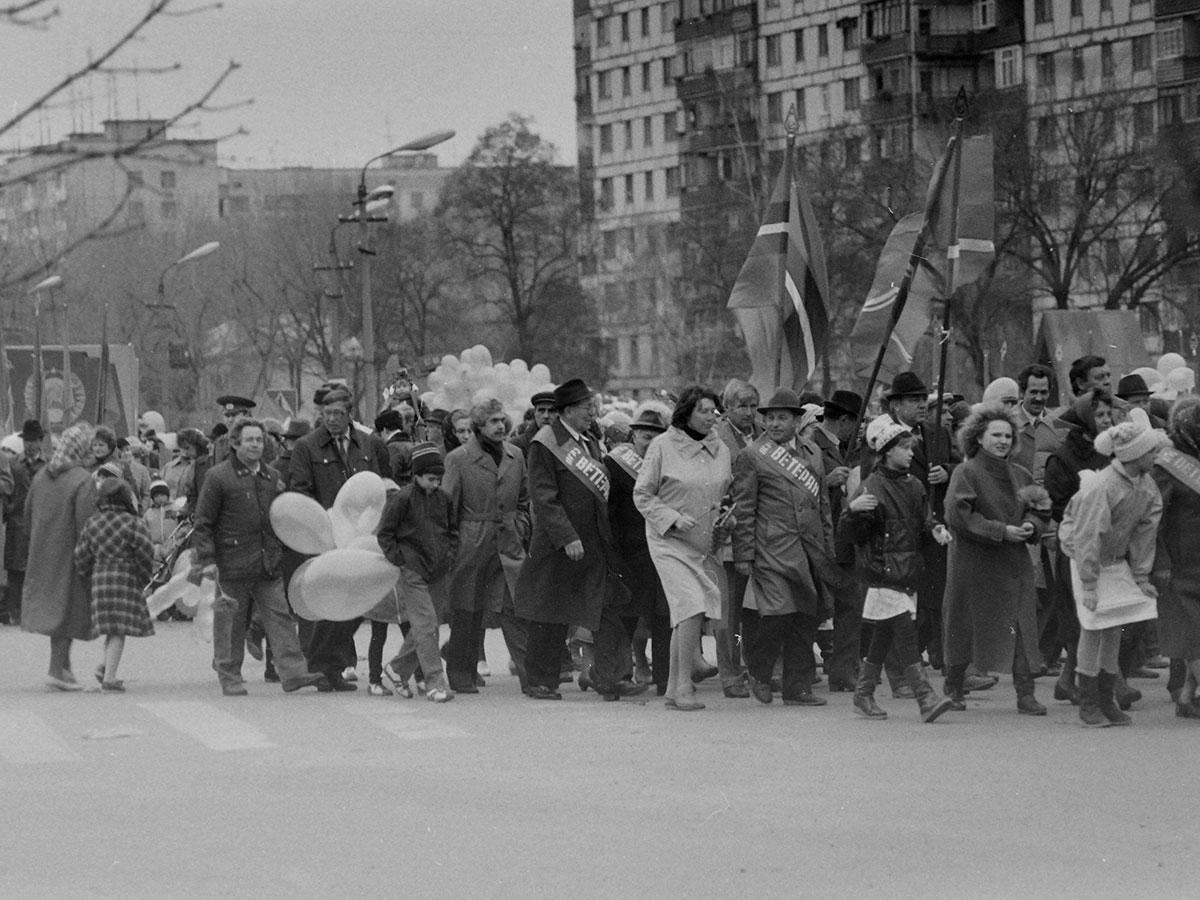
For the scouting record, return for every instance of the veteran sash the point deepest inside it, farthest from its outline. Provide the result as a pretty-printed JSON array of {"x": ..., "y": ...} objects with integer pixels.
[
  {"x": 574, "y": 455},
  {"x": 626, "y": 457},
  {"x": 1180, "y": 466},
  {"x": 790, "y": 466}
]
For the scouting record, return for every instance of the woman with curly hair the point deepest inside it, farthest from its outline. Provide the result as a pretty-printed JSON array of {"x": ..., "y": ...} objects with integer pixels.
[
  {"x": 1177, "y": 561},
  {"x": 56, "y": 602},
  {"x": 990, "y": 605}
]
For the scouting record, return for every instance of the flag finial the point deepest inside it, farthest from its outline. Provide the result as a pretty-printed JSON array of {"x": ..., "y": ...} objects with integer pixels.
[
  {"x": 961, "y": 104},
  {"x": 792, "y": 123}
]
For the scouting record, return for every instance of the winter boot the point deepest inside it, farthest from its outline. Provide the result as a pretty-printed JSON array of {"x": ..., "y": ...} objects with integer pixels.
[
  {"x": 1064, "y": 688},
  {"x": 1027, "y": 705},
  {"x": 864, "y": 692},
  {"x": 1108, "y": 699},
  {"x": 896, "y": 681},
  {"x": 1089, "y": 702},
  {"x": 1126, "y": 695},
  {"x": 953, "y": 686},
  {"x": 931, "y": 704}
]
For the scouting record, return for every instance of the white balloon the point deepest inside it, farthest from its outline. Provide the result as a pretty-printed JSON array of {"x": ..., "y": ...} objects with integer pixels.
[
  {"x": 343, "y": 530},
  {"x": 295, "y": 593},
  {"x": 360, "y": 501},
  {"x": 345, "y": 583},
  {"x": 302, "y": 523},
  {"x": 1169, "y": 361}
]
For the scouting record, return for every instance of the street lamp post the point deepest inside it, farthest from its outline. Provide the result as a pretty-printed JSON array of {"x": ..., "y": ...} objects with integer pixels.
[
  {"x": 199, "y": 253},
  {"x": 364, "y": 203},
  {"x": 39, "y": 393},
  {"x": 352, "y": 351}
]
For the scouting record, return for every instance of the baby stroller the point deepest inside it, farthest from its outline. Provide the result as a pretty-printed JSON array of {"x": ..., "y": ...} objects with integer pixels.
[{"x": 173, "y": 547}]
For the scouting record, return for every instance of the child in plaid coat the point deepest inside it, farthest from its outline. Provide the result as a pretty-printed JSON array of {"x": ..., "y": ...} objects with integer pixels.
[{"x": 116, "y": 558}]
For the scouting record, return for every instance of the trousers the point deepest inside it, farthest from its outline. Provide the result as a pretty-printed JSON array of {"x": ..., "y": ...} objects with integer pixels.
[
  {"x": 229, "y": 628},
  {"x": 420, "y": 647}
]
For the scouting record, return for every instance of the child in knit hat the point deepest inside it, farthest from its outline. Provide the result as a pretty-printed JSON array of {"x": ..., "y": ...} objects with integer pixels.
[
  {"x": 417, "y": 533},
  {"x": 1109, "y": 532},
  {"x": 888, "y": 523}
]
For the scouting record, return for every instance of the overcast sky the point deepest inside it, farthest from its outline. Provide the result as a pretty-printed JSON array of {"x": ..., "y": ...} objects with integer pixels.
[{"x": 333, "y": 82}]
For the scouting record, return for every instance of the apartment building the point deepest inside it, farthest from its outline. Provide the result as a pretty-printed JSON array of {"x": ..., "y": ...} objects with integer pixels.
[{"x": 869, "y": 82}]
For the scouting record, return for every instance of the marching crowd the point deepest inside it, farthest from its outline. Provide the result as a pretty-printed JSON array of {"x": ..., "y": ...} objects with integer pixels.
[{"x": 938, "y": 537}]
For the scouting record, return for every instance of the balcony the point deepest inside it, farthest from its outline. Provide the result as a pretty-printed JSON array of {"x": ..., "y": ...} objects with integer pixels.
[
  {"x": 951, "y": 45},
  {"x": 709, "y": 83},
  {"x": 1165, "y": 9},
  {"x": 727, "y": 21},
  {"x": 1178, "y": 70},
  {"x": 702, "y": 140}
]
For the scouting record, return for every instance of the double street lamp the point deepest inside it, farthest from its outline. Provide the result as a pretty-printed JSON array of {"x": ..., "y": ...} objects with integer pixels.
[{"x": 366, "y": 203}]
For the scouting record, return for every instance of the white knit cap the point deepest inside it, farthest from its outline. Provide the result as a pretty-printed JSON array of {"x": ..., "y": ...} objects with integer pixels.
[
  {"x": 1001, "y": 388},
  {"x": 1131, "y": 439},
  {"x": 813, "y": 412},
  {"x": 883, "y": 432}
]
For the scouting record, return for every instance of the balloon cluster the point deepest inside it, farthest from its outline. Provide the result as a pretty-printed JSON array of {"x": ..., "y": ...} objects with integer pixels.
[
  {"x": 459, "y": 382},
  {"x": 191, "y": 599},
  {"x": 348, "y": 574}
]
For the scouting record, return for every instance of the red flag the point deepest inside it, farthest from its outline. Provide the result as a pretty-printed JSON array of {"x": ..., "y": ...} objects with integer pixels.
[
  {"x": 969, "y": 238},
  {"x": 780, "y": 297}
]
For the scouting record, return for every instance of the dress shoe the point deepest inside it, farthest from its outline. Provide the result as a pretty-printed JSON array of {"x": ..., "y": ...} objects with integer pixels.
[
  {"x": 808, "y": 698},
  {"x": 236, "y": 689},
  {"x": 308, "y": 679},
  {"x": 1143, "y": 672},
  {"x": 1190, "y": 710},
  {"x": 737, "y": 691},
  {"x": 704, "y": 673},
  {"x": 1157, "y": 662},
  {"x": 113, "y": 687},
  {"x": 62, "y": 684},
  {"x": 760, "y": 689},
  {"x": 464, "y": 687},
  {"x": 622, "y": 689},
  {"x": 979, "y": 683},
  {"x": 1028, "y": 706},
  {"x": 337, "y": 682},
  {"x": 837, "y": 686},
  {"x": 541, "y": 692}
]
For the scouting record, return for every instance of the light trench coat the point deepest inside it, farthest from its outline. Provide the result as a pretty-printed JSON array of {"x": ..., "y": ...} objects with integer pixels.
[{"x": 682, "y": 476}]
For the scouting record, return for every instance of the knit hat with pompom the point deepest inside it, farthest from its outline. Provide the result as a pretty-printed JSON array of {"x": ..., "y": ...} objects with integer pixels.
[{"x": 1131, "y": 439}]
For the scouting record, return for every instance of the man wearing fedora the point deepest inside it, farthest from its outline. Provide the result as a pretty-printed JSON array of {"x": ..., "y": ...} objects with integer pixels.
[
  {"x": 934, "y": 458},
  {"x": 832, "y": 435},
  {"x": 782, "y": 541},
  {"x": 570, "y": 577},
  {"x": 16, "y": 541}
]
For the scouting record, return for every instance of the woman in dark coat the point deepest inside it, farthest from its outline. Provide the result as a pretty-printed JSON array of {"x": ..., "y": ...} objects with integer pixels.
[
  {"x": 1177, "y": 561},
  {"x": 991, "y": 602},
  {"x": 1086, "y": 418},
  {"x": 56, "y": 601},
  {"x": 115, "y": 556}
]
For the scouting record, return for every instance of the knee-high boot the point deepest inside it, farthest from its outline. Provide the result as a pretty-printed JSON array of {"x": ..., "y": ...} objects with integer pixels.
[
  {"x": 1108, "y": 699},
  {"x": 1064, "y": 688},
  {"x": 931, "y": 704},
  {"x": 864, "y": 691}
]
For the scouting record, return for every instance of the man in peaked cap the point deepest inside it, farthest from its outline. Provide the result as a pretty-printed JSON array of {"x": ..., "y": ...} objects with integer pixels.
[
  {"x": 234, "y": 407},
  {"x": 544, "y": 413},
  {"x": 783, "y": 542}
]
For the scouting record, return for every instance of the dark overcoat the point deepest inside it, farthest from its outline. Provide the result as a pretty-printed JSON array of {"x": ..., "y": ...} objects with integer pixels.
[
  {"x": 317, "y": 469},
  {"x": 16, "y": 537},
  {"x": 55, "y": 599},
  {"x": 629, "y": 538},
  {"x": 990, "y": 584},
  {"x": 552, "y": 588},
  {"x": 492, "y": 506},
  {"x": 1177, "y": 567}
]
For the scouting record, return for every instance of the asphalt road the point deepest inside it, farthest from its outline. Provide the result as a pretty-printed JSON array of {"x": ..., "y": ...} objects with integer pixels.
[{"x": 174, "y": 791}]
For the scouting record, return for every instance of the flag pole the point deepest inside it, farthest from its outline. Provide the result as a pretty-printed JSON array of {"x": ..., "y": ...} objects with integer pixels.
[
  {"x": 102, "y": 376},
  {"x": 914, "y": 259},
  {"x": 961, "y": 107},
  {"x": 791, "y": 124},
  {"x": 6, "y": 399}
]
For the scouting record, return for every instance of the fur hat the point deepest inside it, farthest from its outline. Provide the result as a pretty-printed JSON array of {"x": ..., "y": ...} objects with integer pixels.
[{"x": 1131, "y": 439}]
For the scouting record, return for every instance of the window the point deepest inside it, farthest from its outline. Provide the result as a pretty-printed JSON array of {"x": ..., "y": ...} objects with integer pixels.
[
  {"x": 1076, "y": 9},
  {"x": 1045, "y": 133},
  {"x": 672, "y": 174},
  {"x": 669, "y": 15},
  {"x": 1170, "y": 109},
  {"x": 648, "y": 132},
  {"x": 801, "y": 109},
  {"x": 629, "y": 135},
  {"x": 774, "y": 108},
  {"x": 1170, "y": 40},
  {"x": 822, "y": 40},
  {"x": 1143, "y": 48},
  {"x": 891, "y": 141},
  {"x": 609, "y": 251},
  {"x": 1108, "y": 66},
  {"x": 852, "y": 150},
  {"x": 625, "y": 27},
  {"x": 850, "y": 94},
  {"x": 670, "y": 127},
  {"x": 626, "y": 82},
  {"x": 1008, "y": 67},
  {"x": 603, "y": 91},
  {"x": 166, "y": 180},
  {"x": 1042, "y": 12},
  {"x": 774, "y": 55},
  {"x": 135, "y": 178},
  {"x": 606, "y": 139},
  {"x": 1045, "y": 69},
  {"x": 1106, "y": 6},
  {"x": 666, "y": 63},
  {"x": 1077, "y": 72},
  {"x": 606, "y": 195},
  {"x": 602, "y": 32},
  {"x": 798, "y": 44},
  {"x": 649, "y": 185},
  {"x": 645, "y": 21},
  {"x": 772, "y": 4},
  {"x": 629, "y": 190},
  {"x": 646, "y": 77},
  {"x": 169, "y": 209},
  {"x": 824, "y": 99},
  {"x": 985, "y": 14},
  {"x": 1143, "y": 121},
  {"x": 849, "y": 29}
]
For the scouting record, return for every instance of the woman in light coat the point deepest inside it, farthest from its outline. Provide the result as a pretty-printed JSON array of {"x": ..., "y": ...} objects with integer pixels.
[
  {"x": 684, "y": 477},
  {"x": 56, "y": 599}
]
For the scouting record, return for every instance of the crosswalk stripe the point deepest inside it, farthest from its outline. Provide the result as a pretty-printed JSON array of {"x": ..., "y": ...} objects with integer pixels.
[
  {"x": 25, "y": 738},
  {"x": 398, "y": 718},
  {"x": 212, "y": 727}
]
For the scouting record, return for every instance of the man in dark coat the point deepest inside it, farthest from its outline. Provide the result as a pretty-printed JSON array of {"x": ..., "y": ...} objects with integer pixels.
[
  {"x": 570, "y": 575},
  {"x": 833, "y": 435},
  {"x": 322, "y": 461},
  {"x": 236, "y": 544},
  {"x": 389, "y": 425},
  {"x": 233, "y": 408},
  {"x": 543, "y": 414},
  {"x": 16, "y": 538}
]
